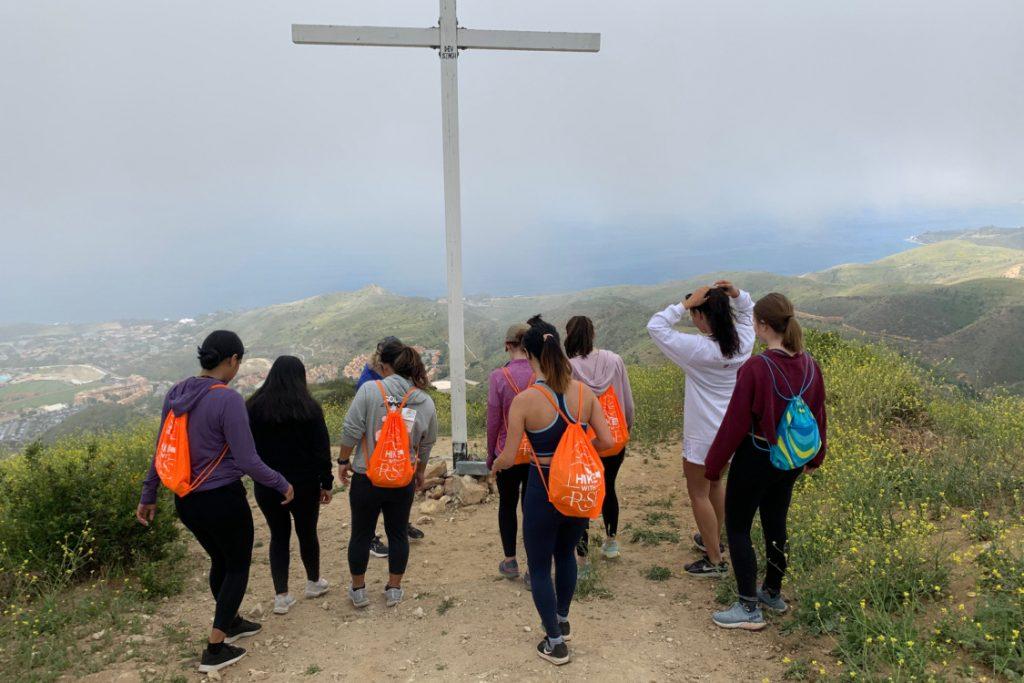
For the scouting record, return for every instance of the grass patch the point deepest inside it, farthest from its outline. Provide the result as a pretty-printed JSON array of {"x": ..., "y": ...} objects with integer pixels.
[
  {"x": 652, "y": 537},
  {"x": 658, "y": 573},
  {"x": 658, "y": 517},
  {"x": 312, "y": 670},
  {"x": 445, "y": 605}
]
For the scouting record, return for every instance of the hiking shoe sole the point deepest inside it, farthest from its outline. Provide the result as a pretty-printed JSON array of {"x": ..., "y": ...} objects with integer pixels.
[
  {"x": 742, "y": 625},
  {"x": 210, "y": 668},
  {"x": 243, "y": 634}
]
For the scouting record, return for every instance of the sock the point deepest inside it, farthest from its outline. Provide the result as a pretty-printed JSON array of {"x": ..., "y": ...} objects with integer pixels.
[
  {"x": 771, "y": 593},
  {"x": 388, "y": 587},
  {"x": 562, "y": 620},
  {"x": 748, "y": 604},
  {"x": 552, "y": 642},
  {"x": 214, "y": 648}
]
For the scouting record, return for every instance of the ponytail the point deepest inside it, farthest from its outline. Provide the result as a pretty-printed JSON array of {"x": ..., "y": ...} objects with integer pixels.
[
  {"x": 405, "y": 361},
  {"x": 718, "y": 312},
  {"x": 543, "y": 343},
  {"x": 777, "y": 312}
]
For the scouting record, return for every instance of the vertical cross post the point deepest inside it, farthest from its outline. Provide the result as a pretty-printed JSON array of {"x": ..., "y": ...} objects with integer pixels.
[{"x": 449, "y": 53}]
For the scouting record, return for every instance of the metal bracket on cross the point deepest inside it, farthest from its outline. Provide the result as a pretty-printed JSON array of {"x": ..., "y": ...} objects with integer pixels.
[{"x": 448, "y": 38}]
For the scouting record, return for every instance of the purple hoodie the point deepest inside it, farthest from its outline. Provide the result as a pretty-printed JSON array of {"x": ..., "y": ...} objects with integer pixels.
[
  {"x": 499, "y": 400},
  {"x": 215, "y": 418}
]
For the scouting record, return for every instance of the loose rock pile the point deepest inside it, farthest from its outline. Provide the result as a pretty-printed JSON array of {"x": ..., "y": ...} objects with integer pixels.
[{"x": 443, "y": 489}]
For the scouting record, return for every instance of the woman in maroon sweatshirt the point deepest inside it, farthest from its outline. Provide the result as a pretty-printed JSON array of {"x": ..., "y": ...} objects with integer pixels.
[{"x": 757, "y": 405}]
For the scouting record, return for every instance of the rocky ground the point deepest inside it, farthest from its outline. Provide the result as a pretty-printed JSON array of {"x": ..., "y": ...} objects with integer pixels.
[{"x": 460, "y": 620}]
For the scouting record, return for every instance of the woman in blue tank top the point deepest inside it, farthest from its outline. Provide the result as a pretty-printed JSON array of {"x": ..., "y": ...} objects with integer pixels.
[{"x": 550, "y": 536}]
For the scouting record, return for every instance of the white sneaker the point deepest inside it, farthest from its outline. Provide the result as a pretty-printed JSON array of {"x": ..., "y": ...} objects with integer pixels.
[
  {"x": 283, "y": 603},
  {"x": 314, "y": 589}
]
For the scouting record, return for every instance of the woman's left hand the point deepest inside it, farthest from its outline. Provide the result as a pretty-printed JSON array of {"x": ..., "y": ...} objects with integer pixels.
[
  {"x": 325, "y": 496},
  {"x": 419, "y": 479}
]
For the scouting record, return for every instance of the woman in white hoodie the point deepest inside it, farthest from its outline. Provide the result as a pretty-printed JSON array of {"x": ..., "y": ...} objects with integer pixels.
[
  {"x": 601, "y": 370},
  {"x": 724, "y": 316}
]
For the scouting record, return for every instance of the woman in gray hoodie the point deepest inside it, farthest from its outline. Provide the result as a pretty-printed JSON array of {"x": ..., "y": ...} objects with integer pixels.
[{"x": 403, "y": 373}]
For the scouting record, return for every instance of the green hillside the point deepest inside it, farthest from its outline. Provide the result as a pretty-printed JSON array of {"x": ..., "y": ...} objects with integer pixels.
[{"x": 941, "y": 263}]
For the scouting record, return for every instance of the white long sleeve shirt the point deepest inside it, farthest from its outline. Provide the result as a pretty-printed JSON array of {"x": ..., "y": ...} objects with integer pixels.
[{"x": 710, "y": 377}]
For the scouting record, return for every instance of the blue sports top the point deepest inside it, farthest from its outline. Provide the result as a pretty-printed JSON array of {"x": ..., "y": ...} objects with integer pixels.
[{"x": 545, "y": 441}]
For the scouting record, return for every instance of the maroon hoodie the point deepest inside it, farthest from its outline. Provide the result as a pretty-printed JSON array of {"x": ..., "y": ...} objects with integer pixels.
[
  {"x": 215, "y": 418},
  {"x": 756, "y": 407}
]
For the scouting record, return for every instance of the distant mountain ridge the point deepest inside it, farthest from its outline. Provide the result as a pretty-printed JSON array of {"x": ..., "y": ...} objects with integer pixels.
[{"x": 959, "y": 299}]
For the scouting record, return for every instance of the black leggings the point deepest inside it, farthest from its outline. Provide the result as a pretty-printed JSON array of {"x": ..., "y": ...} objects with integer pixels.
[
  {"x": 305, "y": 508},
  {"x": 368, "y": 502},
  {"x": 610, "y": 509},
  {"x": 754, "y": 484},
  {"x": 511, "y": 492},
  {"x": 221, "y": 521}
]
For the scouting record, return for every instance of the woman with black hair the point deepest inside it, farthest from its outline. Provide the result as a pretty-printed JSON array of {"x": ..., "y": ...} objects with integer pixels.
[
  {"x": 216, "y": 510},
  {"x": 602, "y": 371},
  {"x": 548, "y": 534},
  {"x": 723, "y": 315},
  {"x": 403, "y": 385},
  {"x": 291, "y": 437}
]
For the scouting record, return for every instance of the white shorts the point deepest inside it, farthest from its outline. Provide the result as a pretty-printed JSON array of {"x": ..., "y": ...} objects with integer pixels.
[{"x": 695, "y": 451}]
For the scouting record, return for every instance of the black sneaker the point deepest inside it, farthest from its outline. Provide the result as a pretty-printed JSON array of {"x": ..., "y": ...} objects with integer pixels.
[
  {"x": 698, "y": 543},
  {"x": 378, "y": 548},
  {"x": 566, "y": 631},
  {"x": 557, "y": 655},
  {"x": 415, "y": 534},
  {"x": 226, "y": 655},
  {"x": 704, "y": 567},
  {"x": 241, "y": 628}
]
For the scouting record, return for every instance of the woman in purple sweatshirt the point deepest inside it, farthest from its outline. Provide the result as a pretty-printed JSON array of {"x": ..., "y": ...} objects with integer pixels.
[
  {"x": 503, "y": 386},
  {"x": 217, "y": 511}
]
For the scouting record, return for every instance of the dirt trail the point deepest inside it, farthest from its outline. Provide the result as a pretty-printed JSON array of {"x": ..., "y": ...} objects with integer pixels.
[{"x": 648, "y": 631}]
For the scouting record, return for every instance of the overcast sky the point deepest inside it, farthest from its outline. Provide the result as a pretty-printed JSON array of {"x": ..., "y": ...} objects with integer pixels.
[{"x": 170, "y": 158}]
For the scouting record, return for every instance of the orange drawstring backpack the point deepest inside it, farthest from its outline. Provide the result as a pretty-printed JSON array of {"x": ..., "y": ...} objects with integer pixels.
[
  {"x": 391, "y": 465},
  {"x": 575, "y": 483},
  {"x": 616, "y": 420},
  {"x": 525, "y": 451},
  {"x": 172, "y": 461}
]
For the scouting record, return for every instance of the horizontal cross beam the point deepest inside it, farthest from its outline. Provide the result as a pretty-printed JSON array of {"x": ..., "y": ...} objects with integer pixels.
[{"x": 472, "y": 39}]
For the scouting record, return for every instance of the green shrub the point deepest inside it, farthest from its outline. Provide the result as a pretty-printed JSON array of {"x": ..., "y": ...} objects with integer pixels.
[{"x": 81, "y": 491}]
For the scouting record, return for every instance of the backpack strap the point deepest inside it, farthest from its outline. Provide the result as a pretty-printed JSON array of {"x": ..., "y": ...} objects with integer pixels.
[
  {"x": 212, "y": 465},
  {"x": 772, "y": 367},
  {"x": 554, "y": 404}
]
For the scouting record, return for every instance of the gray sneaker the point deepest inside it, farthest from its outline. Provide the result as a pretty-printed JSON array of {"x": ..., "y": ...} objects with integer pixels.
[
  {"x": 509, "y": 569},
  {"x": 358, "y": 596},
  {"x": 394, "y": 596},
  {"x": 739, "y": 616},
  {"x": 610, "y": 549},
  {"x": 283, "y": 603},
  {"x": 775, "y": 604}
]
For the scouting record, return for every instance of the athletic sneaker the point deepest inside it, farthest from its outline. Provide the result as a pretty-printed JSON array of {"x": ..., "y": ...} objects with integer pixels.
[
  {"x": 698, "y": 543},
  {"x": 610, "y": 548},
  {"x": 775, "y": 604},
  {"x": 358, "y": 596},
  {"x": 314, "y": 589},
  {"x": 740, "y": 616},
  {"x": 378, "y": 548},
  {"x": 415, "y": 534},
  {"x": 394, "y": 596},
  {"x": 509, "y": 569},
  {"x": 241, "y": 628},
  {"x": 557, "y": 655},
  {"x": 705, "y": 567},
  {"x": 226, "y": 655},
  {"x": 283, "y": 603},
  {"x": 526, "y": 580},
  {"x": 566, "y": 630}
]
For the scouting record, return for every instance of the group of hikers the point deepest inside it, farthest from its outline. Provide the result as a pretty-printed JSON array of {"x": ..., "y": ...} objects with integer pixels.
[{"x": 558, "y": 421}]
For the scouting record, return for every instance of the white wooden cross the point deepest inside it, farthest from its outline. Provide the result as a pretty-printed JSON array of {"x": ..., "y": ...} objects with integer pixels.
[{"x": 449, "y": 38}]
